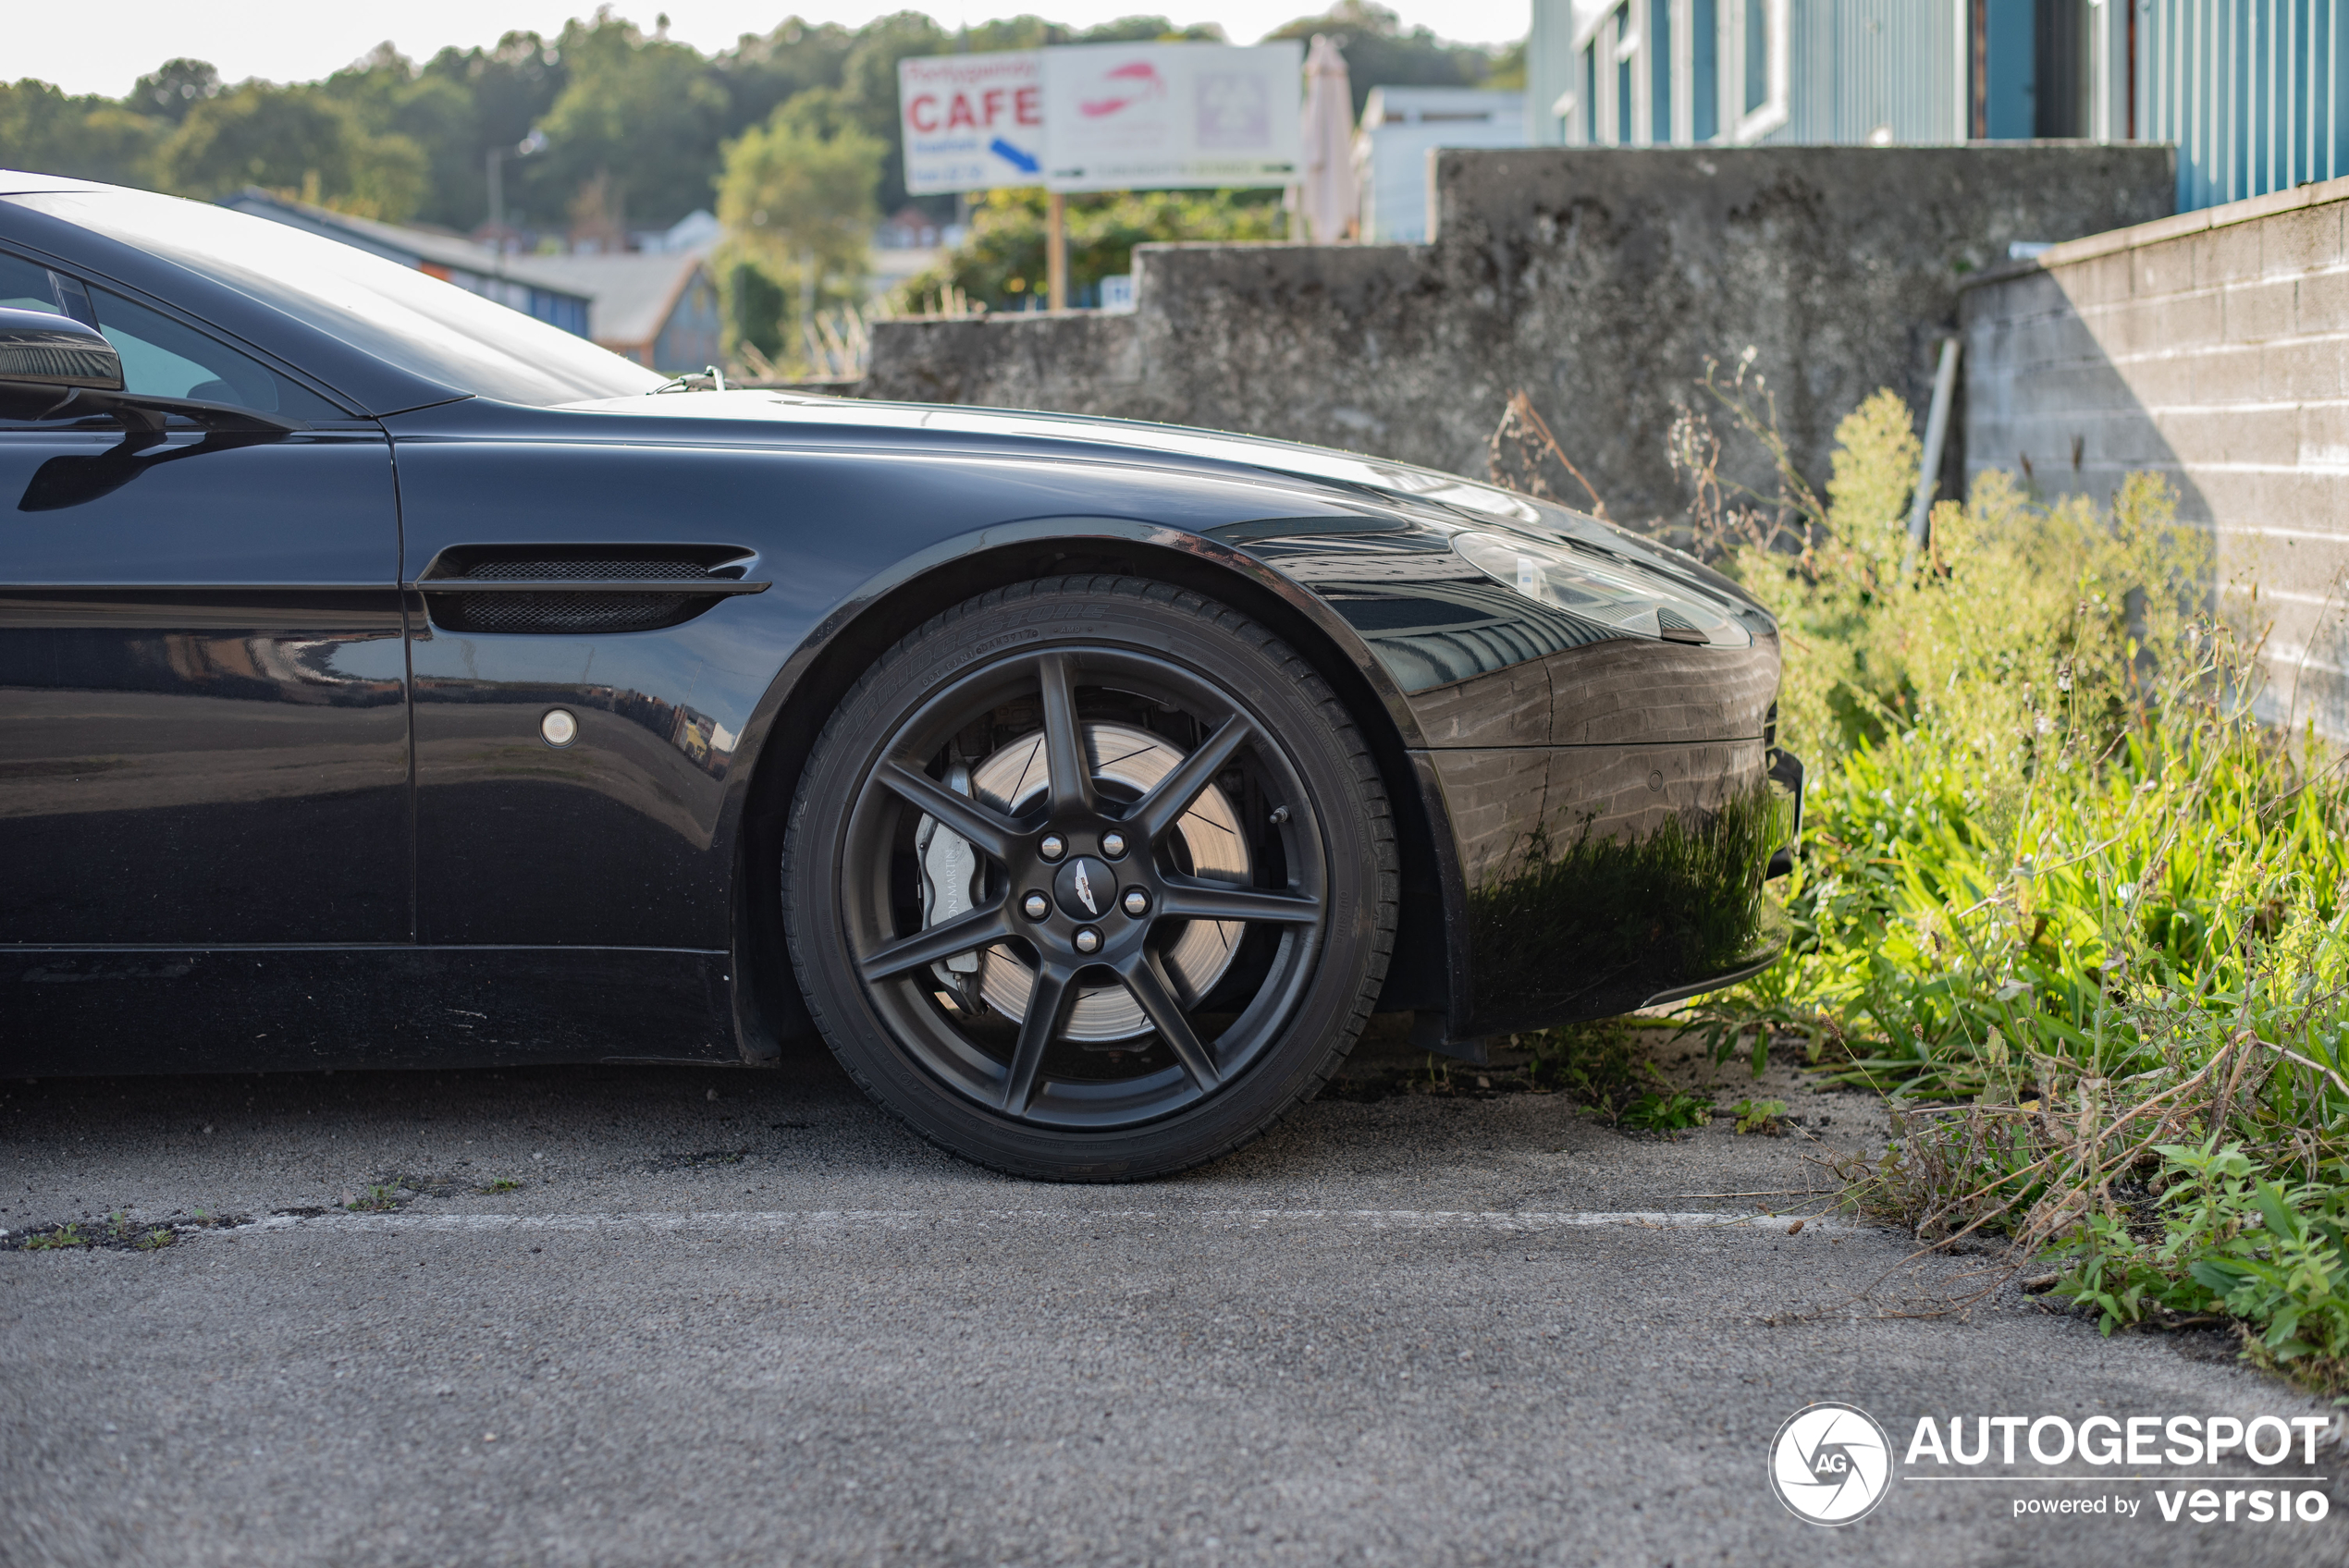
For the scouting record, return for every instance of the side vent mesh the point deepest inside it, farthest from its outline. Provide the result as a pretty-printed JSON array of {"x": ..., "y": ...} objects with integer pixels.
[{"x": 566, "y": 614}]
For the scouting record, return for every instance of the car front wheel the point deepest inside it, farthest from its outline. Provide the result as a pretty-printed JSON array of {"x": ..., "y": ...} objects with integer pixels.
[{"x": 1090, "y": 879}]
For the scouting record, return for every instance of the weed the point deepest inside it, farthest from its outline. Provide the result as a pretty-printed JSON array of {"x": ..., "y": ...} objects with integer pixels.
[
  {"x": 500, "y": 1184},
  {"x": 1766, "y": 1116},
  {"x": 1664, "y": 1110},
  {"x": 2064, "y": 897},
  {"x": 56, "y": 1237},
  {"x": 1604, "y": 1066},
  {"x": 379, "y": 1199}
]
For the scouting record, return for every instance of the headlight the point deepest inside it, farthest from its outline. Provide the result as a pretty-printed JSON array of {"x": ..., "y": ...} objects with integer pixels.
[{"x": 1597, "y": 591}]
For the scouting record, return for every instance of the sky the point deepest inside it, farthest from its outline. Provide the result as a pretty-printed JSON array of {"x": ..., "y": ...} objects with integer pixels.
[{"x": 104, "y": 49}]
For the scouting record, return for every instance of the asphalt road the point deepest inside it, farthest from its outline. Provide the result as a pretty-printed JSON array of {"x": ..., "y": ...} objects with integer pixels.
[{"x": 770, "y": 1327}]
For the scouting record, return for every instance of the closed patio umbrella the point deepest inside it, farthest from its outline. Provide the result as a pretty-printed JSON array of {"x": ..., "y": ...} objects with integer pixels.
[{"x": 1331, "y": 199}]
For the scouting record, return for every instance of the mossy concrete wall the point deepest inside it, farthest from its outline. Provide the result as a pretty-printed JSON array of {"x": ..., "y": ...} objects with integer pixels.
[{"x": 1598, "y": 280}]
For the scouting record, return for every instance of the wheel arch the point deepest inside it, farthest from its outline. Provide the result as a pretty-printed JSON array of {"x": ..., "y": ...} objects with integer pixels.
[{"x": 769, "y": 1013}]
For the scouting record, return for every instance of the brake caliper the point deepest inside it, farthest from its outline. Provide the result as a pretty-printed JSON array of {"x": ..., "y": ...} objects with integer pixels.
[{"x": 950, "y": 869}]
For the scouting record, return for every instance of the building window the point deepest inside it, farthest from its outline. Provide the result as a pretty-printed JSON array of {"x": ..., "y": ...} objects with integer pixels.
[
  {"x": 1659, "y": 46},
  {"x": 1762, "y": 47},
  {"x": 1704, "y": 69}
]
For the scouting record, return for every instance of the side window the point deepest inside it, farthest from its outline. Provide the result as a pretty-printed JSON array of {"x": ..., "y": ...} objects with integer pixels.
[
  {"x": 24, "y": 287},
  {"x": 160, "y": 356},
  {"x": 165, "y": 358}
]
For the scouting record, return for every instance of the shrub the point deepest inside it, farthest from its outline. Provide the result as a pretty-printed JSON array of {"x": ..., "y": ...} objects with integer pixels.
[{"x": 2063, "y": 898}]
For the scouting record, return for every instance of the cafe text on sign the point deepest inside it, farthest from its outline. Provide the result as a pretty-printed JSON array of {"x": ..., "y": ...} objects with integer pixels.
[{"x": 971, "y": 122}]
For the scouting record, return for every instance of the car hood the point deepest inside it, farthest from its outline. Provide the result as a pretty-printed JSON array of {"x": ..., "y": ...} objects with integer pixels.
[{"x": 1445, "y": 497}]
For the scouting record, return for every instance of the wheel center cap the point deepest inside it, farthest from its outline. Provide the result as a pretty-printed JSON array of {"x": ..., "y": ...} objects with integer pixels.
[{"x": 1086, "y": 888}]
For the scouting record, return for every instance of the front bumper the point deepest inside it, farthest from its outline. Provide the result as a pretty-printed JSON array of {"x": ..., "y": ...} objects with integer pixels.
[{"x": 1599, "y": 879}]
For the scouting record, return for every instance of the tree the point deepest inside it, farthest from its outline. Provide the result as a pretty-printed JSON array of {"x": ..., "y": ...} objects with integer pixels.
[
  {"x": 1380, "y": 54},
  {"x": 798, "y": 190},
  {"x": 868, "y": 87},
  {"x": 86, "y": 138},
  {"x": 648, "y": 113},
  {"x": 507, "y": 90},
  {"x": 177, "y": 87},
  {"x": 293, "y": 138},
  {"x": 764, "y": 72}
]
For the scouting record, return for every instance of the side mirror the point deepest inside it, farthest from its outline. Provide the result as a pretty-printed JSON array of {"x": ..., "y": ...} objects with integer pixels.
[{"x": 38, "y": 350}]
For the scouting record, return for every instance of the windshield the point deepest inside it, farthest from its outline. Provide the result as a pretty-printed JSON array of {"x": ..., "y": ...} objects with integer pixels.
[{"x": 417, "y": 321}]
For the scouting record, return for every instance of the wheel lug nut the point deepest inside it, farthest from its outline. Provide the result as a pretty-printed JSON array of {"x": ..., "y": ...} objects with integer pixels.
[
  {"x": 1036, "y": 906},
  {"x": 1089, "y": 940},
  {"x": 1112, "y": 844},
  {"x": 1052, "y": 846},
  {"x": 1137, "y": 902}
]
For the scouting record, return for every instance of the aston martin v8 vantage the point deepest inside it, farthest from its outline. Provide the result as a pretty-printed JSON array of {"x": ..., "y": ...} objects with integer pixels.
[{"x": 389, "y": 680}]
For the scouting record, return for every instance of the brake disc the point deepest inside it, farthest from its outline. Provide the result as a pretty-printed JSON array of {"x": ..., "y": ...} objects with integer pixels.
[{"x": 1010, "y": 780}]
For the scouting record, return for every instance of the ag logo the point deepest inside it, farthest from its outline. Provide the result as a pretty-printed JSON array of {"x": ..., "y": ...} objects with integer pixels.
[{"x": 1830, "y": 1463}]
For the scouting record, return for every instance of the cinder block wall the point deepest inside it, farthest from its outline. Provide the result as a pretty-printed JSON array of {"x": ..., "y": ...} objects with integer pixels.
[
  {"x": 2212, "y": 347},
  {"x": 1597, "y": 279}
]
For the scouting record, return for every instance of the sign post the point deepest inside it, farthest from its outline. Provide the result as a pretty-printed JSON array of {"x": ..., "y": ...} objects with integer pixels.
[{"x": 1056, "y": 250}]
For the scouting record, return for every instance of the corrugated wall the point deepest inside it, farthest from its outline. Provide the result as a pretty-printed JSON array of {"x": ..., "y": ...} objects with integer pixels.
[
  {"x": 1856, "y": 65},
  {"x": 2249, "y": 89}
]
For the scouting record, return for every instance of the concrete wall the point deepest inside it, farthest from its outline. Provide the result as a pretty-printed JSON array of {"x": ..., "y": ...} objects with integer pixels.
[
  {"x": 1598, "y": 280},
  {"x": 2212, "y": 347}
]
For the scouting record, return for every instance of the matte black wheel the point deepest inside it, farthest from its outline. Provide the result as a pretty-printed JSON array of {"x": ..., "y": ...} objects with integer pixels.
[{"x": 1090, "y": 879}]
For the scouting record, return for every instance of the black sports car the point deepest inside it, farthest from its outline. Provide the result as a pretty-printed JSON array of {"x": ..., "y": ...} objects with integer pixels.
[{"x": 390, "y": 679}]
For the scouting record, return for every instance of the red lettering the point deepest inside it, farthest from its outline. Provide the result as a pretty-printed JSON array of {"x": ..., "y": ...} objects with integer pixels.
[
  {"x": 961, "y": 114},
  {"x": 1027, "y": 104},
  {"x": 926, "y": 103},
  {"x": 994, "y": 103}
]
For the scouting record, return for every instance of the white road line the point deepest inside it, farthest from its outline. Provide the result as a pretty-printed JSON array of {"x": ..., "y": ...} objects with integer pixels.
[{"x": 841, "y": 1220}]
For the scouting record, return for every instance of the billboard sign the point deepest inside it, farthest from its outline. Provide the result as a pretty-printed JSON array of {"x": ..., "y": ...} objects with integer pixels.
[
  {"x": 1133, "y": 116},
  {"x": 971, "y": 122}
]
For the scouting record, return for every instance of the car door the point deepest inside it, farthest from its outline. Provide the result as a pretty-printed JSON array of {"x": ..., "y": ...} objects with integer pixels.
[{"x": 202, "y": 689}]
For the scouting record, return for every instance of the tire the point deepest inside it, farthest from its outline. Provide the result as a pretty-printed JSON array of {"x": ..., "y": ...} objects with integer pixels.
[{"x": 1090, "y": 879}]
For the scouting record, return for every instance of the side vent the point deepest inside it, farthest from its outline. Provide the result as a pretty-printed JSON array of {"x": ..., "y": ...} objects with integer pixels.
[{"x": 571, "y": 591}]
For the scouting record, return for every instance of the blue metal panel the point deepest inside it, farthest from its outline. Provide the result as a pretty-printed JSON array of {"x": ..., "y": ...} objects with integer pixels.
[
  {"x": 1659, "y": 49},
  {"x": 1704, "y": 50},
  {"x": 2249, "y": 89}
]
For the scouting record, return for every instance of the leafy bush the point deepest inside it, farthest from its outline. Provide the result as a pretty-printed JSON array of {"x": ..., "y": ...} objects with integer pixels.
[
  {"x": 2082, "y": 916},
  {"x": 1001, "y": 263}
]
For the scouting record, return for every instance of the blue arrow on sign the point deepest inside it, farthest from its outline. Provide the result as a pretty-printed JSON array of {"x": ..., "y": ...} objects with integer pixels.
[{"x": 1014, "y": 156}]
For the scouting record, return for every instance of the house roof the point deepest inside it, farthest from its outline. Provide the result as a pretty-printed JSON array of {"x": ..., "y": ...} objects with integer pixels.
[
  {"x": 397, "y": 241},
  {"x": 630, "y": 294}
]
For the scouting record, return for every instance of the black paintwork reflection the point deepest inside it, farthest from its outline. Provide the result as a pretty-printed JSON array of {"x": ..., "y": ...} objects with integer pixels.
[
  {"x": 613, "y": 838},
  {"x": 76, "y": 479},
  {"x": 1596, "y": 924},
  {"x": 202, "y": 716},
  {"x": 357, "y": 1008},
  {"x": 161, "y": 786},
  {"x": 1431, "y": 618}
]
